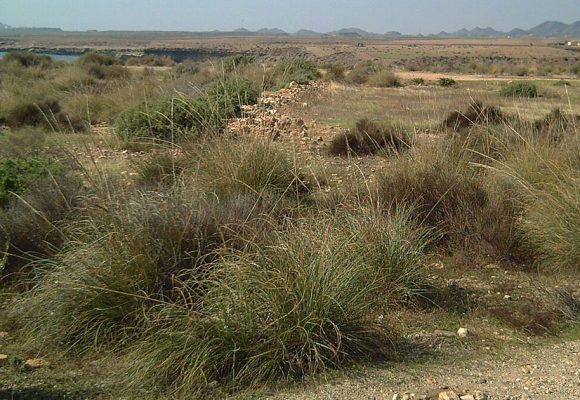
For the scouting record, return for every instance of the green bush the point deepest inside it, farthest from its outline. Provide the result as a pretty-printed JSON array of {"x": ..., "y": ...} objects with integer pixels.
[
  {"x": 144, "y": 250},
  {"x": 302, "y": 305},
  {"x": 551, "y": 225},
  {"x": 417, "y": 81},
  {"x": 231, "y": 64},
  {"x": 297, "y": 70},
  {"x": 446, "y": 82},
  {"x": 228, "y": 168},
  {"x": 519, "y": 89},
  {"x": 170, "y": 118},
  {"x": 17, "y": 174}
]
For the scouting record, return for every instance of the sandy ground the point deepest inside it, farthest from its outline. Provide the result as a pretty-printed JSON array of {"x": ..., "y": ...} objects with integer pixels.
[
  {"x": 432, "y": 76},
  {"x": 547, "y": 372}
]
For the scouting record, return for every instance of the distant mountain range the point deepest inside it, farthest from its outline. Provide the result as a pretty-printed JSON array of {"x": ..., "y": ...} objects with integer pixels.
[{"x": 544, "y": 30}]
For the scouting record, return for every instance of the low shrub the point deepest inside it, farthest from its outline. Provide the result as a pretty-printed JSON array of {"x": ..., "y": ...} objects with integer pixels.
[
  {"x": 545, "y": 183},
  {"x": 168, "y": 119},
  {"x": 102, "y": 66},
  {"x": 444, "y": 194},
  {"x": 446, "y": 82},
  {"x": 551, "y": 225},
  {"x": 93, "y": 58},
  {"x": 562, "y": 82},
  {"x": 556, "y": 126},
  {"x": 417, "y": 81},
  {"x": 163, "y": 169},
  {"x": 18, "y": 113},
  {"x": 228, "y": 167},
  {"x": 361, "y": 73},
  {"x": 475, "y": 114},
  {"x": 234, "y": 63},
  {"x": 16, "y": 175},
  {"x": 151, "y": 61},
  {"x": 519, "y": 89},
  {"x": 369, "y": 138},
  {"x": 297, "y": 307},
  {"x": 32, "y": 227},
  {"x": 146, "y": 250},
  {"x": 335, "y": 72},
  {"x": 26, "y": 59},
  {"x": 104, "y": 72},
  {"x": 22, "y": 143},
  {"x": 384, "y": 79},
  {"x": 297, "y": 70},
  {"x": 45, "y": 112}
]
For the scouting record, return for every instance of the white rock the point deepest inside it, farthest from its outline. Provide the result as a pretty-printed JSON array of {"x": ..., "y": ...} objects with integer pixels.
[
  {"x": 462, "y": 332},
  {"x": 480, "y": 396}
]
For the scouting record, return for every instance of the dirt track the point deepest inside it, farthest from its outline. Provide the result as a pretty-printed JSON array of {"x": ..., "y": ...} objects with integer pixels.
[
  {"x": 544, "y": 372},
  {"x": 432, "y": 76}
]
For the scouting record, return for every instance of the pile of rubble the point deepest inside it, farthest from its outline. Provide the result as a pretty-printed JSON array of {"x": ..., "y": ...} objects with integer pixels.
[{"x": 266, "y": 119}]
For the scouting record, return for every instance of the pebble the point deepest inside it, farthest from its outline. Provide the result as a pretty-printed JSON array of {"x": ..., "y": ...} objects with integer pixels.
[
  {"x": 3, "y": 359},
  {"x": 35, "y": 363},
  {"x": 448, "y": 395},
  {"x": 463, "y": 332},
  {"x": 4, "y": 335},
  {"x": 442, "y": 333}
]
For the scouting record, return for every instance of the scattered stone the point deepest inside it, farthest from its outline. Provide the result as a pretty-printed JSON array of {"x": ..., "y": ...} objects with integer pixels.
[
  {"x": 432, "y": 381},
  {"x": 467, "y": 397},
  {"x": 442, "y": 333},
  {"x": 480, "y": 396},
  {"x": 4, "y": 335},
  {"x": 3, "y": 359},
  {"x": 462, "y": 332},
  {"x": 396, "y": 396},
  {"x": 262, "y": 118},
  {"x": 35, "y": 363},
  {"x": 508, "y": 297},
  {"x": 448, "y": 395},
  {"x": 481, "y": 381}
]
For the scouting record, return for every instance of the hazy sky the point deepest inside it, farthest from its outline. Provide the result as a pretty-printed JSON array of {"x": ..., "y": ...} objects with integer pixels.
[{"x": 407, "y": 16}]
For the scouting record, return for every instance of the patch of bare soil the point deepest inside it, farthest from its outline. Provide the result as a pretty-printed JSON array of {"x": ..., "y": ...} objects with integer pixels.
[
  {"x": 547, "y": 372},
  {"x": 433, "y": 76}
]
